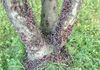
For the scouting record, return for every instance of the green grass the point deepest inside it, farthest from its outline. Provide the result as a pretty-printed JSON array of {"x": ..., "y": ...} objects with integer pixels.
[
  {"x": 83, "y": 45},
  {"x": 11, "y": 48}
]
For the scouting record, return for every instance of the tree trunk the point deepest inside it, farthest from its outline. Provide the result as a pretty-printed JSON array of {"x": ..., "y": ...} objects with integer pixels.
[{"x": 41, "y": 44}]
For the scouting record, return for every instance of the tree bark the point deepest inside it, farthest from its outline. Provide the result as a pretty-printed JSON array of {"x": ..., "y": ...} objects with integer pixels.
[
  {"x": 62, "y": 28},
  {"x": 20, "y": 15},
  {"x": 48, "y": 15},
  {"x": 54, "y": 31}
]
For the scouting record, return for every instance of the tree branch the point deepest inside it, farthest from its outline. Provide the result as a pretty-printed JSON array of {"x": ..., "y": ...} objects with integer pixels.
[
  {"x": 63, "y": 29},
  {"x": 48, "y": 15}
]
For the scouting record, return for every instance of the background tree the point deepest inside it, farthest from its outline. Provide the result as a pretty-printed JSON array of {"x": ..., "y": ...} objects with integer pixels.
[{"x": 47, "y": 42}]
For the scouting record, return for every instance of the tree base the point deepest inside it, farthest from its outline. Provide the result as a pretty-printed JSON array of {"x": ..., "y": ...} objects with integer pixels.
[{"x": 61, "y": 57}]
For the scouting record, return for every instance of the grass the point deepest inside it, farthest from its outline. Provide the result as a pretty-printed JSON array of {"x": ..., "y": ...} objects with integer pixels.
[{"x": 83, "y": 45}]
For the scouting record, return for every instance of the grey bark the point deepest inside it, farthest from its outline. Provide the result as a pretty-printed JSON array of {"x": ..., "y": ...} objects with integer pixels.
[
  {"x": 48, "y": 15},
  {"x": 62, "y": 28},
  {"x": 55, "y": 30},
  {"x": 20, "y": 15}
]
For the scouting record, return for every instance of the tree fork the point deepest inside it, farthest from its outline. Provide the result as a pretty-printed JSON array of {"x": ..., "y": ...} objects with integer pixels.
[
  {"x": 62, "y": 30},
  {"x": 38, "y": 48}
]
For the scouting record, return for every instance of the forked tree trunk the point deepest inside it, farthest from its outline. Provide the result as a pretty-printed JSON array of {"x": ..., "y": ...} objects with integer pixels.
[{"x": 40, "y": 44}]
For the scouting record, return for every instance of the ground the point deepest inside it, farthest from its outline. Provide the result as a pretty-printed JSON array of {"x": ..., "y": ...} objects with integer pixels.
[{"x": 83, "y": 45}]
